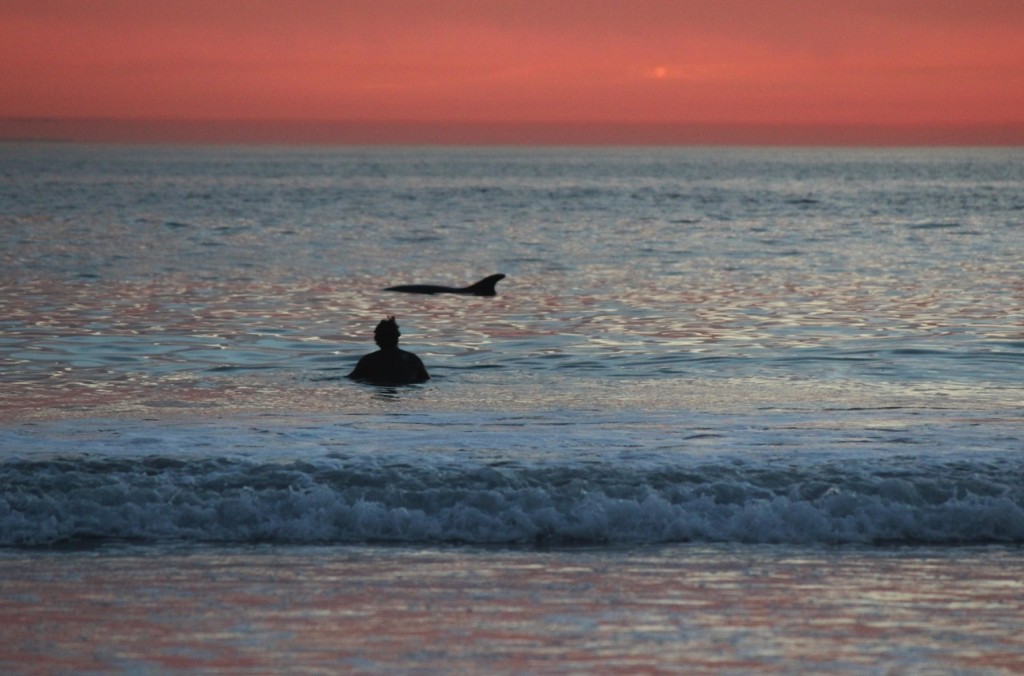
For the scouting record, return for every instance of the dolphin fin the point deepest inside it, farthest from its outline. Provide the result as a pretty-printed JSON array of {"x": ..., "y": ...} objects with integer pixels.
[{"x": 485, "y": 287}]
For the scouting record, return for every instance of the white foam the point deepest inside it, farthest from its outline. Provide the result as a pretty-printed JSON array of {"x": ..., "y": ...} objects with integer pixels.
[{"x": 383, "y": 499}]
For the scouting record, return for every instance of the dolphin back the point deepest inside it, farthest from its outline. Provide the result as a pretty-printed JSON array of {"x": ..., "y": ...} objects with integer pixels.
[{"x": 485, "y": 287}]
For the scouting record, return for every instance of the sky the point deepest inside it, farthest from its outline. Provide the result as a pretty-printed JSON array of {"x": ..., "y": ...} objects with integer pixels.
[{"x": 583, "y": 70}]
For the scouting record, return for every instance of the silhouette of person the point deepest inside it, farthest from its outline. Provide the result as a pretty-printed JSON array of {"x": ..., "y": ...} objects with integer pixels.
[{"x": 389, "y": 365}]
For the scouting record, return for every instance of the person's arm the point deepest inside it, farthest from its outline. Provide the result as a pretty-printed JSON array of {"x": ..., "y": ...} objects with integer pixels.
[{"x": 421, "y": 370}]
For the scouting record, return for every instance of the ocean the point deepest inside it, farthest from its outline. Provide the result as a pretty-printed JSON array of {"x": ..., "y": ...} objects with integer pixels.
[{"x": 731, "y": 410}]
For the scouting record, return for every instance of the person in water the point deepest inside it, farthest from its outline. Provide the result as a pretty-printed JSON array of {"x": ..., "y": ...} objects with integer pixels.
[{"x": 389, "y": 365}]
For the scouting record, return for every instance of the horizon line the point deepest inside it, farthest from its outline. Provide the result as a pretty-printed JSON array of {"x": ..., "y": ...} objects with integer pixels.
[{"x": 223, "y": 131}]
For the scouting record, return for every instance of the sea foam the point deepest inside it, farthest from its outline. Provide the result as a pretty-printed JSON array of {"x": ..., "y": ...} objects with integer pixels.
[{"x": 386, "y": 499}]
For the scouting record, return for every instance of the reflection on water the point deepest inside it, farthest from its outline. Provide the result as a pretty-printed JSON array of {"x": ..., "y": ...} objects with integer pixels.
[
  {"x": 73, "y": 345},
  {"x": 132, "y": 276},
  {"x": 703, "y": 610}
]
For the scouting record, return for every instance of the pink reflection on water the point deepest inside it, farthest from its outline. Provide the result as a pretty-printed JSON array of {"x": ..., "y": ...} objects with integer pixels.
[
  {"x": 120, "y": 346},
  {"x": 702, "y": 609}
]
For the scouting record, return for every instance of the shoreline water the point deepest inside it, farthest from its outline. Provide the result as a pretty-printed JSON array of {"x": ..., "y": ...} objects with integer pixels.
[{"x": 361, "y": 609}]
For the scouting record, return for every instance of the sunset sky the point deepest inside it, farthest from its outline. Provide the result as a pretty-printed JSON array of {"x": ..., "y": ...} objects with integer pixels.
[{"x": 582, "y": 70}]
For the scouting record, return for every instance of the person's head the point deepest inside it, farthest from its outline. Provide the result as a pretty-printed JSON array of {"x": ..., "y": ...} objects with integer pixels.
[{"x": 386, "y": 334}]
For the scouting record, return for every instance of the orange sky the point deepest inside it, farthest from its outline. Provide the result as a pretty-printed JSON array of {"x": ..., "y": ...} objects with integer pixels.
[{"x": 905, "y": 65}]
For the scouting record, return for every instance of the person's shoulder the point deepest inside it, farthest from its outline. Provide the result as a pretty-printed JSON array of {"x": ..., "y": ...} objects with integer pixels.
[
  {"x": 420, "y": 371},
  {"x": 413, "y": 357},
  {"x": 365, "y": 366}
]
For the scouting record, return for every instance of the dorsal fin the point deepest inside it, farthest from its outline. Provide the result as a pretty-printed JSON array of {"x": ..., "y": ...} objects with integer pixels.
[{"x": 485, "y": 287}]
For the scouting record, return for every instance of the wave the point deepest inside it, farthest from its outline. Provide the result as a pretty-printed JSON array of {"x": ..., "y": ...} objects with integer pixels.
[{"x": 392, "y": 500}]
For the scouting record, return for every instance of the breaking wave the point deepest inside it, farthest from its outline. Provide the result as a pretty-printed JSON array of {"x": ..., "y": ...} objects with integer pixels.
[{"x": 390, "y": 499}]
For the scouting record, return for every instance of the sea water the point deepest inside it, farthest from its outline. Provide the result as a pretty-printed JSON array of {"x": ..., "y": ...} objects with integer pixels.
[{"x": 731, "y": 409}]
